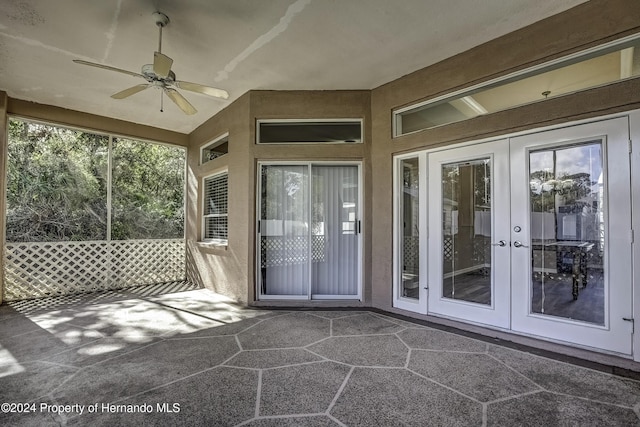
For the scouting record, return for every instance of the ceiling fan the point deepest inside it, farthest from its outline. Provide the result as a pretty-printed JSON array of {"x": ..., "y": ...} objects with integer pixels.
[{"x": 160, "y": 76}]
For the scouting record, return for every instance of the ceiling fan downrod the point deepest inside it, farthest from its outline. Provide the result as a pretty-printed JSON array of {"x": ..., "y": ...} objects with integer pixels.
[{"x": 161, "y": 21}]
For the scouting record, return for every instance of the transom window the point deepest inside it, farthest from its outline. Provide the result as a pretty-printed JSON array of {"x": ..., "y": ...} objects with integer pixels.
[
  {"x": 311, "y": 131},
  {"x": 216, "y": 148},
  {"x": 594, "y": 67}
]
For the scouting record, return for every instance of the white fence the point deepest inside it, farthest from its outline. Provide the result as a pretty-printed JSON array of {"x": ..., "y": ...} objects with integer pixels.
[{"x": 33, "y": 270}]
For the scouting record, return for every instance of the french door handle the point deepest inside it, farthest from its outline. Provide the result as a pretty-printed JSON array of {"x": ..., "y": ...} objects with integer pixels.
[
  {"x": 500, "y": 243},
  {"x": 518, "y": 244}
]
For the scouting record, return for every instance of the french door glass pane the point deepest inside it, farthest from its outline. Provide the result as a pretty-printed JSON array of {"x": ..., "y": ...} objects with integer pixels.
[
  {"x": 410, "y": 242},
  {"x": 284, "y": 241},
  {"x": 567, "y": 232},
  {"x": 466, "y": 217},
  {"x": 334, "y": 253}
]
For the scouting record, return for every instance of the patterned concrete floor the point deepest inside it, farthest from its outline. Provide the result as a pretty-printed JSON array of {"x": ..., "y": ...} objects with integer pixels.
[{"x": 193, "y": 358}]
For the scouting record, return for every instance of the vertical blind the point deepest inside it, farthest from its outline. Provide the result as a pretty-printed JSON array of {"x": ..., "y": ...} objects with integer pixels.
[
  {"x": 285, "y": 230},
  {"x": 215, "y": 207},
  {"x": 334, "y": 270},
  {"x": 308, "y": 235}
]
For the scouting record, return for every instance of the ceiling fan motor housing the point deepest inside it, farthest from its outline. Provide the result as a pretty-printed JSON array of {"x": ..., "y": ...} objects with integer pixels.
[{"x": 151, "y": 76}]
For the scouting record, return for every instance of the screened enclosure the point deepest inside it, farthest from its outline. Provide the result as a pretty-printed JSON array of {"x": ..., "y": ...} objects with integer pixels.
[{"x": 88, "y": 211}]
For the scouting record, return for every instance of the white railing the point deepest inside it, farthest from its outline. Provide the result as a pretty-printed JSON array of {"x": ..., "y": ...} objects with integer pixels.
[{"x": 39, "y": 269}]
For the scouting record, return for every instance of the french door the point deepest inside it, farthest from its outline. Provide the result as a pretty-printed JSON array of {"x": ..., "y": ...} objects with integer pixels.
[
  {"x": 309, "y": 240},
  {"x": 468, "y": 233},
  {"x": 533, "y": 234},
  {"x": 571, "y": 235}
]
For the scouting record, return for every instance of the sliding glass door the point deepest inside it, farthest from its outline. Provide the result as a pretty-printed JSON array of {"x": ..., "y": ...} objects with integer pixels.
[{"x": 309, "y": 231}]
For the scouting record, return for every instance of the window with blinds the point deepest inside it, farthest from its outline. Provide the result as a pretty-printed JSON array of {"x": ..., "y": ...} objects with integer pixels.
[{"x": 215, "y": 211}]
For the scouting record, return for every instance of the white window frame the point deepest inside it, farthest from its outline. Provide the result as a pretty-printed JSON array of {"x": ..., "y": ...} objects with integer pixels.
[
  {"x": 360, "y": 221},
  {"x": 418, "y": 305},
  {"x": 213, "y": 144},
  {"x": 293, "y": 121},
  {"x": 216, "y": 241}
]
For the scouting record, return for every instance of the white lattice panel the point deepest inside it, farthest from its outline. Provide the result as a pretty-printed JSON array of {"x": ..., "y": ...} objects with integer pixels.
[
  {"x": 142, "y": 262},
  {"x": 35, "y": 270}
]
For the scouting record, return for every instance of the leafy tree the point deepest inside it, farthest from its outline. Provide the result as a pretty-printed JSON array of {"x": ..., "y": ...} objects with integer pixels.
[
  {"x": 148, "y": 190},
  {"x": 57, "y": 186}
]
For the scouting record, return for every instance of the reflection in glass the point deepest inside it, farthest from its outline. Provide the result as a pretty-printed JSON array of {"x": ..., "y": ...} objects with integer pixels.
[
  {"x": 409, "y": 245},
  {"x": 284, "y": 234},
  {"x": 334, "y": 240},
  {"x": 567, "y": 232},
  {"x": 466, "y": 222},
  {"x": 538, "y": 84}
]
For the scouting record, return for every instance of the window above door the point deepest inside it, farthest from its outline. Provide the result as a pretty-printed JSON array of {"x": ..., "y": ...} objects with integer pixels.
[
  {"x": 598, "y": 66},
  {"x": 309, "y": 131}
]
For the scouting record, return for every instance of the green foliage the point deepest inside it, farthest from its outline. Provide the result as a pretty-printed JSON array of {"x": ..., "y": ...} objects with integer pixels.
[
  {"x": 148, "y": 191},
  {"x": 57, "y": 186}
]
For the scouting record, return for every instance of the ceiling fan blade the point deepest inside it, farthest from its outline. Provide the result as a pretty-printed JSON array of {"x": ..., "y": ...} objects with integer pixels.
[
  {"x": 131, "y": 91},
  {"x": 180, "y": 101},
  {"x": 106, "y": 67},
  {"x": 207, "y": 90},
  {"x": 161, "y": 64}
]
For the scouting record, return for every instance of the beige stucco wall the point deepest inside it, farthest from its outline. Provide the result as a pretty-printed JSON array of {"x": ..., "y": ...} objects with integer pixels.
[
  {"x": 587, "y": 25},
  {"x": 222, "y": 269},
  {"x": 62, "y": 116},
  {"x": 231, "y": 269}
]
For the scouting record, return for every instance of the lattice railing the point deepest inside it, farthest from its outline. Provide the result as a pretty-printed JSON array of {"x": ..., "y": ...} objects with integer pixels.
[
  {"x": 410, "y": 253},
  {"x": 289, "y": 250},
  {"x": 33, "y": 270}
]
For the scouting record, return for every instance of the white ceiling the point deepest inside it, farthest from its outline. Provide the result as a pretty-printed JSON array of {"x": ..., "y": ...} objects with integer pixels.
[{"x": 236, "y": 45}]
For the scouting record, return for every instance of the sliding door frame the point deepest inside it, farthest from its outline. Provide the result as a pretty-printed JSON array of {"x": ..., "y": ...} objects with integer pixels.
[{"x": 359, "y": 225}]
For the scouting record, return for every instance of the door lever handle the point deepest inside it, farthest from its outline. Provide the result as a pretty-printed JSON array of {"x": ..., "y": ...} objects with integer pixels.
[
  {"x": 518, "y": 244},
  {"x": 500, "y": 243}
]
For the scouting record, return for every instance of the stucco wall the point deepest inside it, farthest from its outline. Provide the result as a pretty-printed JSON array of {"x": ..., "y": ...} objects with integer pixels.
[
  {"x": 221, "y": 269},
  {"x": 584, "y": 26},
  {"x": 317, "y": 105},
  {"x": 62, "y": 116},
  {"x": 231, "y": 269}
]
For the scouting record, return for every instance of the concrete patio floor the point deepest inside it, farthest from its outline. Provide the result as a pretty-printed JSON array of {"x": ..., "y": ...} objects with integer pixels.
[{"x": 194, "y": 358}]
